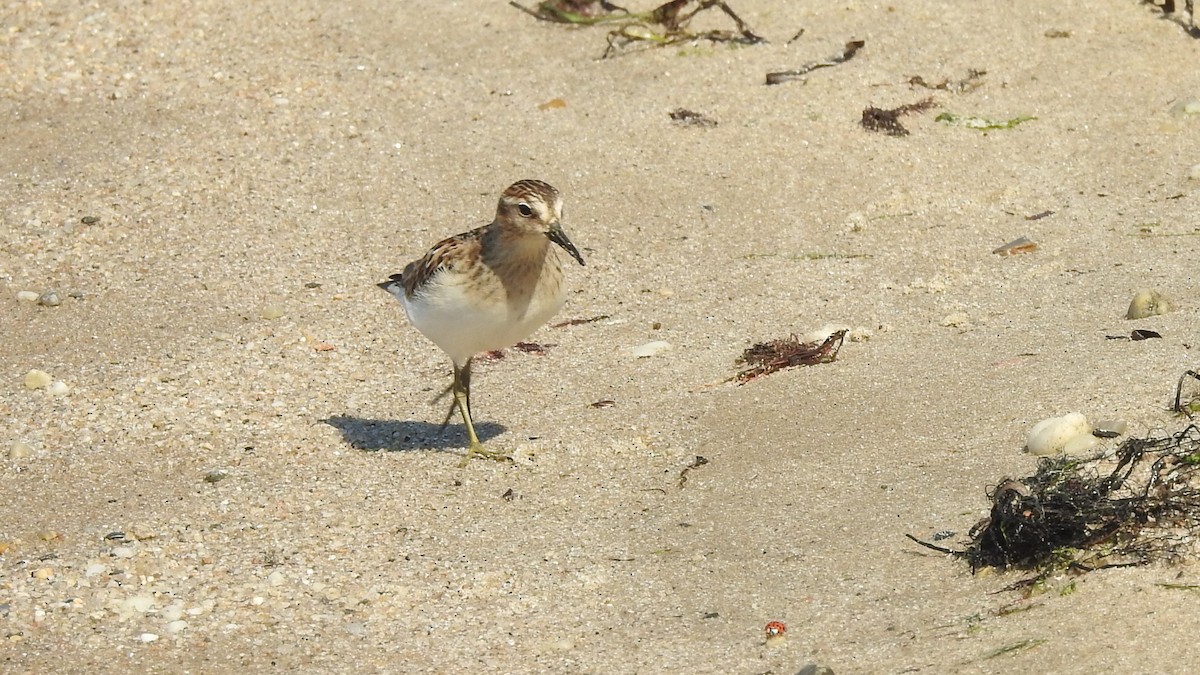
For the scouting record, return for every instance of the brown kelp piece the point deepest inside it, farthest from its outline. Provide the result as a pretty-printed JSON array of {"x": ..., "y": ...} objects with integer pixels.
[
  {"x": 1187, "y": 394},
  {"x": 579, "y": 322},
  {"x": 691, "y": 118},
  {"x": 888, "y": 121},
  {"x": 848, "y": 53},
  {"x": 765, "y": 358}
]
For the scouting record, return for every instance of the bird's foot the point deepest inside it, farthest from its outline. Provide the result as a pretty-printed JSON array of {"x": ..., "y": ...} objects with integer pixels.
[{"x": 477, "y": 450}]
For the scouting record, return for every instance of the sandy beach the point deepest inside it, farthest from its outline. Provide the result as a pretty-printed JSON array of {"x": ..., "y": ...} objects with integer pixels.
[{"x": 242, "y": 471}]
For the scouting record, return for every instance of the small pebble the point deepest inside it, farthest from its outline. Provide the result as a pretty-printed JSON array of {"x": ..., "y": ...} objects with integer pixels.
[
  {"x": 276, "y": 578},
  {"x": 1110, "y": 428},
  {"x": 215, "y": 476},
  {"x": 59, "y": 388},
  {"x": 147, "y": 637},
  {"x": 271, "y": 312},
  {"x": 20, "y": 450},
  {"x": 1194, "y": 172},
  {"x": 43, "y": 573},
  {"x": 123, "y": 552},
  {"x": 27, "y": 297},
  {"x": 176, "y": 626},
  {"x": 49, "y": 298},
  {"x": 37, "y": 379},
  {"x": 651, "y": 349},
  {"x": 1190, "y": 106},
  {"x": 1148, "y": 302},
  {"x": 94, "y": 570}
]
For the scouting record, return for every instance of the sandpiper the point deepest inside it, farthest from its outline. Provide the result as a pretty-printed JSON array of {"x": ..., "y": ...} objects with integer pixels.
[{"x": 489, "y": 288}]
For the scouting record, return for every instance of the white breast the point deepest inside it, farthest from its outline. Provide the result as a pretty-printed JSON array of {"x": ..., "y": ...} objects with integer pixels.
[{"x": 463, "y": 321}]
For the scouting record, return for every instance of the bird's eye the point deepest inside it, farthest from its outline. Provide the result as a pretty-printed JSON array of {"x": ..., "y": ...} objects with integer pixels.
[{"x": 524, "y": 209}]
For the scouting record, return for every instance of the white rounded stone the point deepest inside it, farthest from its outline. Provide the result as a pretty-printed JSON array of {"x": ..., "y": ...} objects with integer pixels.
[
  {"x": 37, "y": 379},
  {"x": 1148, "y": 302},
  {"x": 1050, "y": 436}
]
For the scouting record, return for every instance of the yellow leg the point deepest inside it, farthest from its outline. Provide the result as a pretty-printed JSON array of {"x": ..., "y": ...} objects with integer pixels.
[{"x": 461, "y": 390}]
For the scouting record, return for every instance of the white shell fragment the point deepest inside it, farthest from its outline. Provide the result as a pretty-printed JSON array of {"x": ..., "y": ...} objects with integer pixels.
[
  {"x": 1070, "y": 433},
  {"x": 651, "y": 349},
  {"x": 1148, "y": 302},
  {"x": 1017, "y": 246}
]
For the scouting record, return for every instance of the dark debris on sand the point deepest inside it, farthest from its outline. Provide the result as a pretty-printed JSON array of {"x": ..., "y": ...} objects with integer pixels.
[
  {"x": 765, "y": 358},
  {"x": 1139, "y": 505}
]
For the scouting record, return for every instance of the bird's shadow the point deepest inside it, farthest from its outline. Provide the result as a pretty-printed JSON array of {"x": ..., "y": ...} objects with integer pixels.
[{"x": 404, "y": 435}]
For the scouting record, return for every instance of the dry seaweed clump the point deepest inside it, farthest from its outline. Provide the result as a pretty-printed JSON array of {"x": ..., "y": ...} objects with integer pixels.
[
  {"x": 1138, "y": 506},
  {"x": 765, "y": 358},
  {"x": 888, "y": 121},
  {"x": 666, "y": 24}
]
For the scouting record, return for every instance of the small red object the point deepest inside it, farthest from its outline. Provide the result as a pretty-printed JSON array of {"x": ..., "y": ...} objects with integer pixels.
[{"x": 775, "y": 629}]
